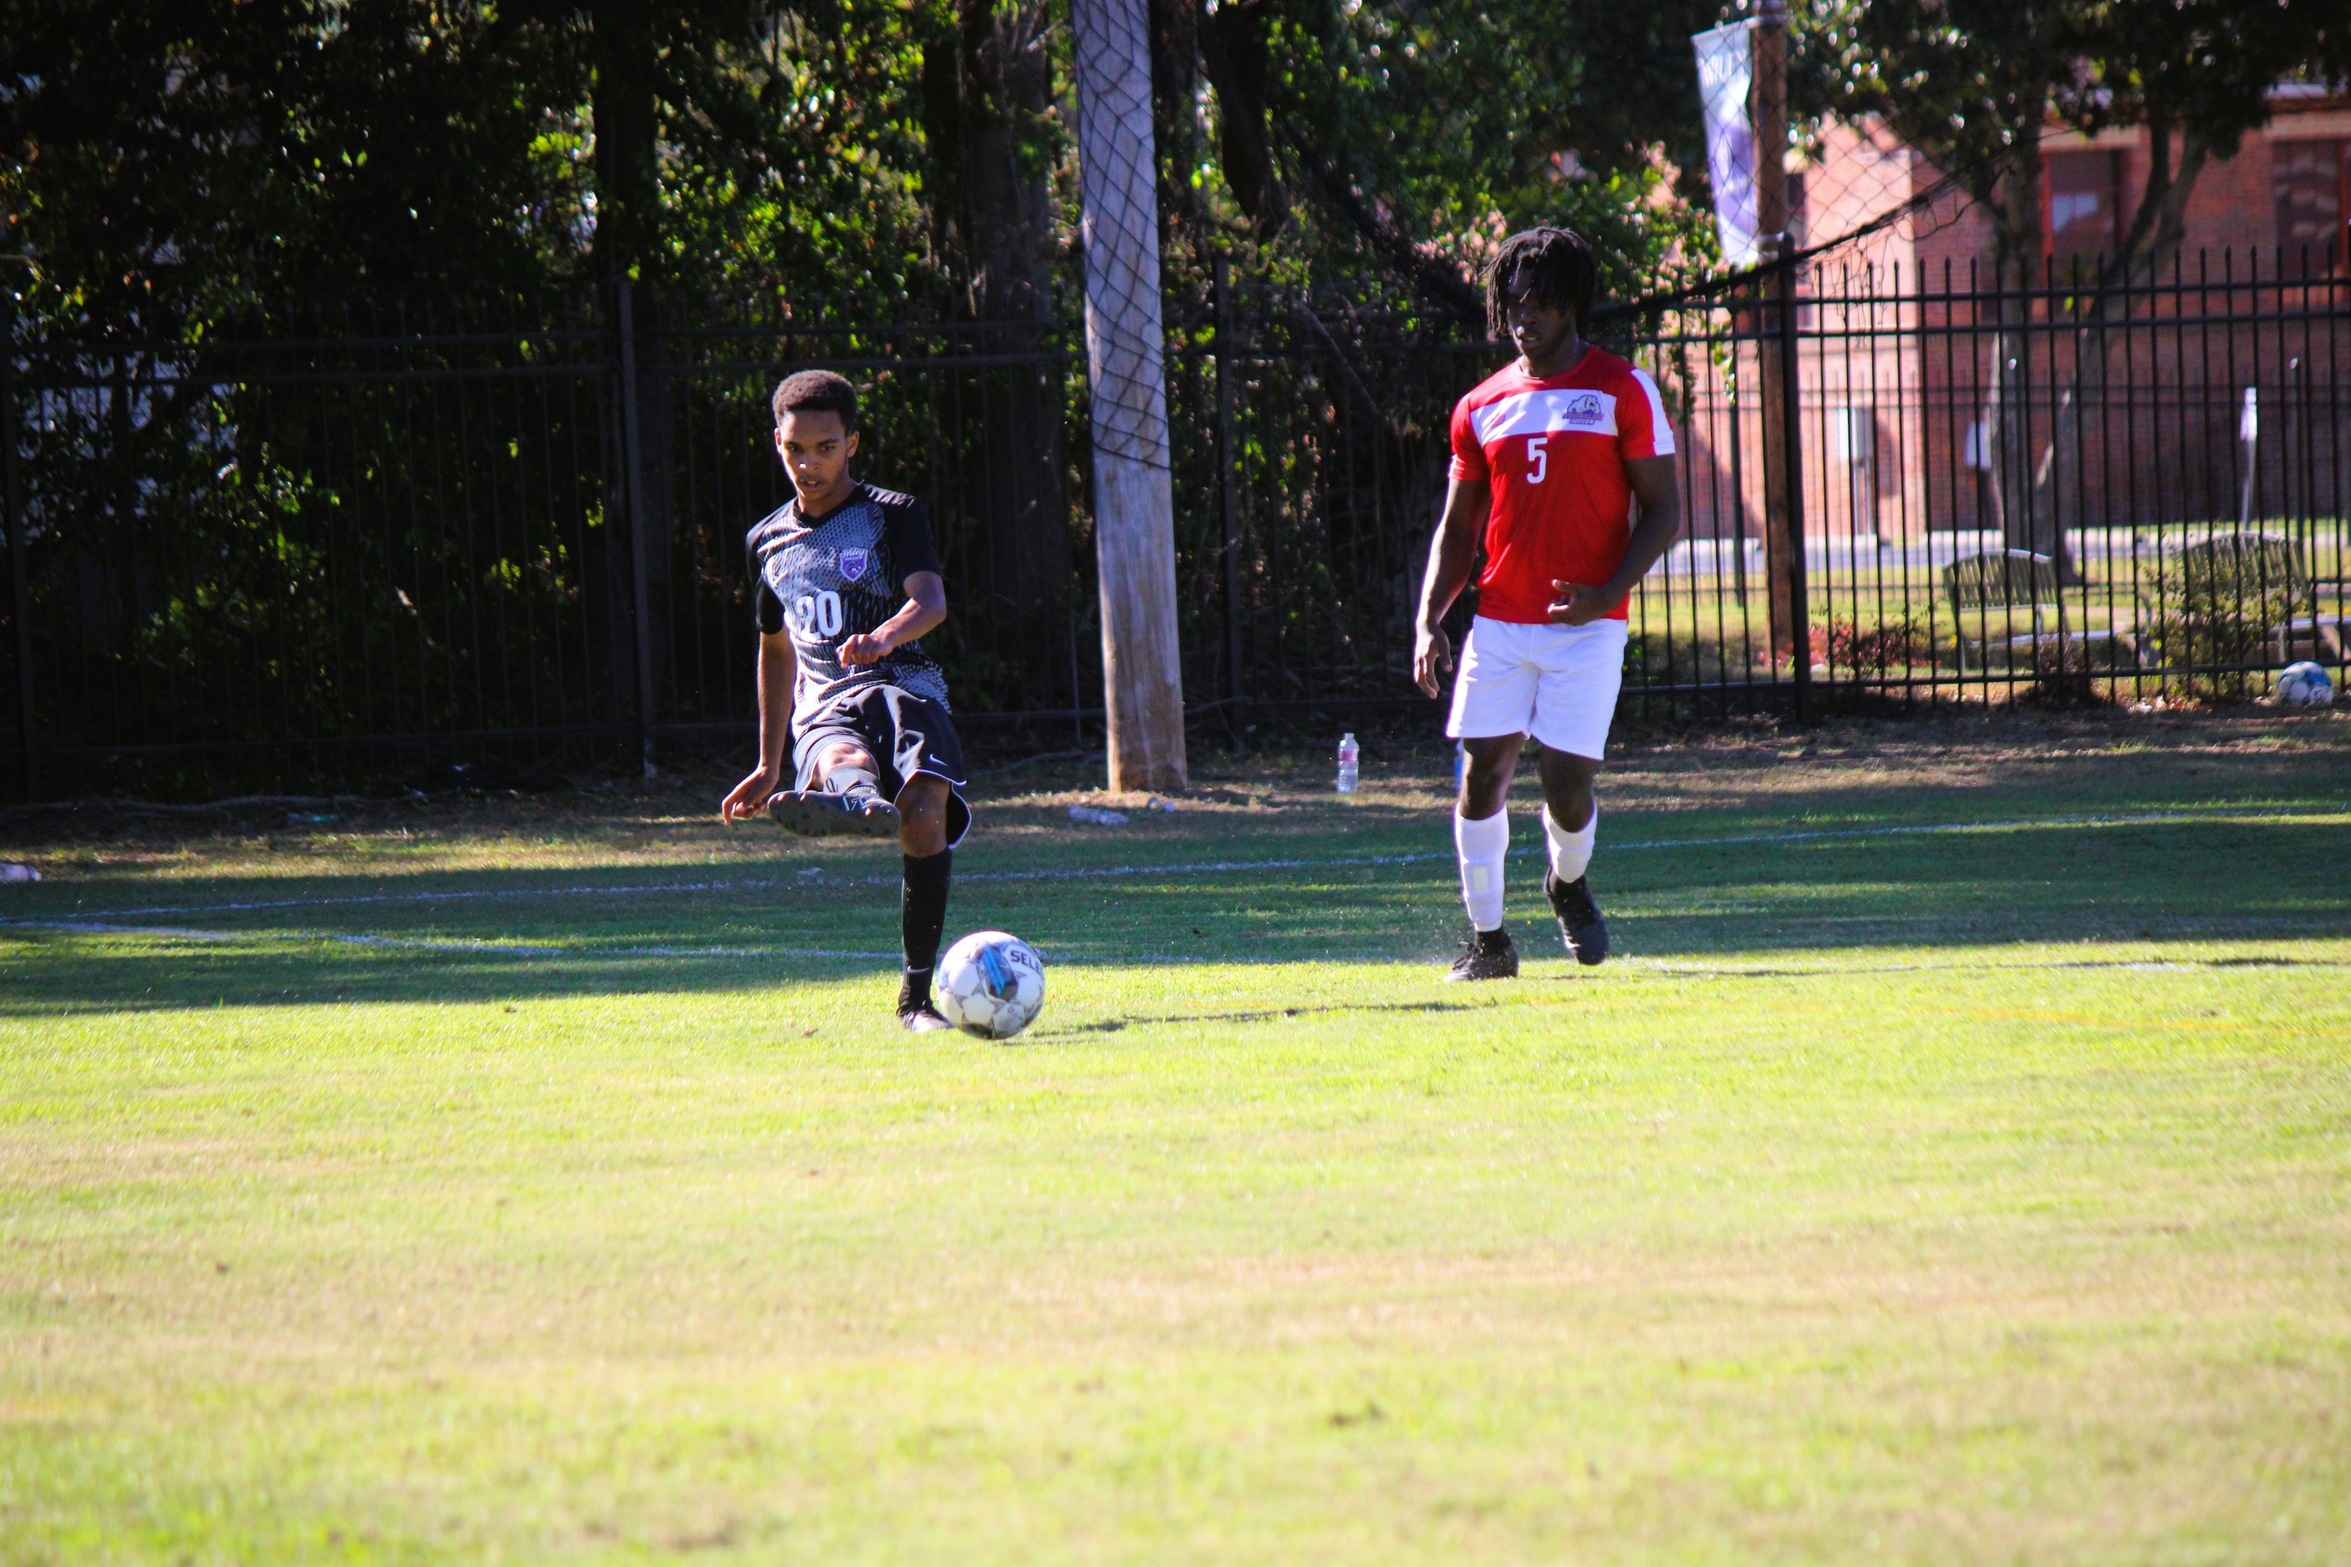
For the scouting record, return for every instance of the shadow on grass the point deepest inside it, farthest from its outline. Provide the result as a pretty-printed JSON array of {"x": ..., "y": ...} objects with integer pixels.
[
  {"x": 2027, "y": 966},
  {"x": 478, "y": 936},
  {"x": 1113, "y": 1025}
]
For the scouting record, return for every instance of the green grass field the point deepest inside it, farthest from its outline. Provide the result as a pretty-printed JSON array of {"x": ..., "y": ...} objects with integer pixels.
[{"x": 1955, "y": 1168}]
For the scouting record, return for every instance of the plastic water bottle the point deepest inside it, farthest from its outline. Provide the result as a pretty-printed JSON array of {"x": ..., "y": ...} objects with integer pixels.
[{"x": 1349, "y": 755}]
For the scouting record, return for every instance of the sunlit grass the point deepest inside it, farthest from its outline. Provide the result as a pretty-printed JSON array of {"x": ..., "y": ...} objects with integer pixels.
[{"x": 1968, "y": 1195}]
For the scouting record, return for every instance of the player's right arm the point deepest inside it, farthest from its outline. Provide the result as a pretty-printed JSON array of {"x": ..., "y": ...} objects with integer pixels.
[
  {"x": 777, "y": 665},
  {"x": 1452, "y": 556}
]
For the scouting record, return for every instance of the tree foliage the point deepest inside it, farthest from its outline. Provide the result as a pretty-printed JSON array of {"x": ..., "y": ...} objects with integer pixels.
[
  {"x": 1412, "y": 134},
  {"x": 176, "y": 161},
  {"x": 1978, "y": 84},
  {"x": 170, "y": 159}
]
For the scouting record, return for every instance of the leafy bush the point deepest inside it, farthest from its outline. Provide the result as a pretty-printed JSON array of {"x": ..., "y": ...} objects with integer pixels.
[
  {"x": 2194, "y": 644},
  {"x": 2066, "y": 671},
  {"x": 2212, "y": 621},
  {"x": 1877, "y": 650}
]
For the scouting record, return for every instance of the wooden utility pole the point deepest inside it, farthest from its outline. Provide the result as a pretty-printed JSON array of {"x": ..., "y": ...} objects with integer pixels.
[
  {"x": 1134, "y": 506},
  {"x": 1783, "y": 540}
]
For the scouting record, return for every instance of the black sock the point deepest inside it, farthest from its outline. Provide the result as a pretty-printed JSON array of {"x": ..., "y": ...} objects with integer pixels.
[{"x": 922, "y": 915}]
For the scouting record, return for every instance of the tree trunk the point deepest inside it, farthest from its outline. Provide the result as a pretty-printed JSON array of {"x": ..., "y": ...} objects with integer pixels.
[
  {"x": 627, "y": 245},
  {"x": 1134, "y": 510},
  {"x": 626, "y": 108},
  {"x": 1234, "y": 51},
  {"x": 2007, "y": 422},
  {"x": 2160, "y": 221},
  {"x": 989, "y": 93}
]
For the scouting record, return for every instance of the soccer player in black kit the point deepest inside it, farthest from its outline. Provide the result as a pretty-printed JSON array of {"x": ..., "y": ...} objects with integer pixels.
[{"x": 848, "y": 584}]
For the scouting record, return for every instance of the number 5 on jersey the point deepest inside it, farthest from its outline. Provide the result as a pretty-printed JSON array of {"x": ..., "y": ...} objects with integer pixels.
[
  {"x": 1539, "y": 457},
  {"x": 817, "y": 614}
]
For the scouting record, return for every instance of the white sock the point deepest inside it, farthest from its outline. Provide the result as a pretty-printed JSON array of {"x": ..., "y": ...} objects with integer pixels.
[
  {"x": 1571, "y": 852},
  {"x": 1480, "y": 847}
]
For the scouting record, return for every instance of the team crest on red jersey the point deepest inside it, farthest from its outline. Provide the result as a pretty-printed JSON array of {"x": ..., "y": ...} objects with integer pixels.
[{"x": 1553, "y": 452}]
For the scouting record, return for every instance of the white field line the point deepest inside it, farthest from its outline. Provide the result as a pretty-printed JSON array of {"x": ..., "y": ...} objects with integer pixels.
[
  {"x": 1194, "y": 868},
  {"x": 436, "y": 943},
  {"x": 1668, "y": 967}
]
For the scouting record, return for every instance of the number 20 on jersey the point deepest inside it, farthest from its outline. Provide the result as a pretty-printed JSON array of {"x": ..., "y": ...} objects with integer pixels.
[{"x": 817, "y": 614}]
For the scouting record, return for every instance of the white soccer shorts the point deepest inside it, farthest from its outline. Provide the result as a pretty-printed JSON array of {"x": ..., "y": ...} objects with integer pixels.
[{"x": 1557, "y": 683}]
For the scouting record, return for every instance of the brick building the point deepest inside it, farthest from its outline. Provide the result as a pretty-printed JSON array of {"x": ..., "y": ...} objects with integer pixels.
[{"x": 1898, "y": 341}]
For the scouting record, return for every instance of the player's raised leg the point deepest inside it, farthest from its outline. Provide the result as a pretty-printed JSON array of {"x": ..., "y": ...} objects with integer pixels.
[{"x": 845, "y": 797}]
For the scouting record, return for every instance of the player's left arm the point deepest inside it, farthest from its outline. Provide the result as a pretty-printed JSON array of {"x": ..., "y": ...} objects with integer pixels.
[
  {"x": 924, "y": 611},
  {"x": 1657, "y": 497}
]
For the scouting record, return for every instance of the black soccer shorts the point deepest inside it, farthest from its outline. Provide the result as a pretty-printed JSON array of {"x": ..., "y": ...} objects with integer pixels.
[{"x": 906, "y": 734}]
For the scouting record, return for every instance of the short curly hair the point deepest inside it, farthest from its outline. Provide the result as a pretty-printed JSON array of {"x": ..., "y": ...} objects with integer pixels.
[
  {"x": 1551, "y": 266},
  {"x": 817, "y": 391}
]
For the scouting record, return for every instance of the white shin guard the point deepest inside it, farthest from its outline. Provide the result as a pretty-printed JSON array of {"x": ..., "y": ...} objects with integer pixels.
[
  {"x": 858, "y": 781},
  {"x": 1480, "y": 846},
  {"x": 1571, "y": 852}
]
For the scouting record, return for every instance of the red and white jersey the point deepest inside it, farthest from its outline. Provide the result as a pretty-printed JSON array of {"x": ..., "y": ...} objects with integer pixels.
[{"x": 1554, "y": 453}]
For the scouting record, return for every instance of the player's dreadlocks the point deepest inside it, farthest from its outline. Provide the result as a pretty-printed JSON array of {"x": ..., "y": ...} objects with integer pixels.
[{"x": 1550, "y": 266}]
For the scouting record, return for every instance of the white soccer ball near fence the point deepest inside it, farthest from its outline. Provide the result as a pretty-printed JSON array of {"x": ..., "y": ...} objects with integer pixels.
[
  {"x": 2304, "y": 685},
  {"x": 991, "y": 984}
]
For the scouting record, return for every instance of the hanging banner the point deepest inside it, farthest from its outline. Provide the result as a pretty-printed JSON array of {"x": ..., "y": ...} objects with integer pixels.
[{"x": 1726, "y": 73}]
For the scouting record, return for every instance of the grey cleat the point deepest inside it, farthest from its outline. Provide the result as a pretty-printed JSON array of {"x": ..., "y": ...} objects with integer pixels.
[{"x": 815, "y": 813}]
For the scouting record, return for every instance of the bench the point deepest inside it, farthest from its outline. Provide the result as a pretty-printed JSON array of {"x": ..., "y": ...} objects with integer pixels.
[{"x": 2003, "y": 582}]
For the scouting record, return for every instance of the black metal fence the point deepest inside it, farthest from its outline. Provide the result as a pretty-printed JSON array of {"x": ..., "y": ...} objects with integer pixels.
[
  {"x": 324, "y": 553},
  {"x": 2075, "y": 490}
]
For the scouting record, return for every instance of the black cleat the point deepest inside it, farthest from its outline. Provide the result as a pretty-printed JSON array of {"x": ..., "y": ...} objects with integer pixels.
[
  {"x": 916, "y": 1015},
  {"x": 1581, "y": 928},
  {"x": 813, "y": 813},
  {"x": 1489, "y": 955}
]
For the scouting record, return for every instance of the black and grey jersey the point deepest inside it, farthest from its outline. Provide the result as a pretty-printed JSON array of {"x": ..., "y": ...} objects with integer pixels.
[{"x": 840, "y": 578}]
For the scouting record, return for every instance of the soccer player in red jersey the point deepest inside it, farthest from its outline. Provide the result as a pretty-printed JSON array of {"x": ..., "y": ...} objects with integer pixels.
[{"x": 1563, "y": 469}]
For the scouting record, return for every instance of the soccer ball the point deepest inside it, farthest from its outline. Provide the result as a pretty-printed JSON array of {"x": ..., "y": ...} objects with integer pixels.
[
  {"x": 2304, "y": 685},
  {"x": 991, "y": 984}
]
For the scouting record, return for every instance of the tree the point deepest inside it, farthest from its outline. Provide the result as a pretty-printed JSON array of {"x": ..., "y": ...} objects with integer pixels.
[
  {"x": 175, "y": 162},
  {"x": 1977, "y": 85},
  {"x": 2197, "y": 71},
  {"x": 1405, "y": 132},
  {"x": 172, "y": 162},
  {"x": 993, "y": 150}
]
